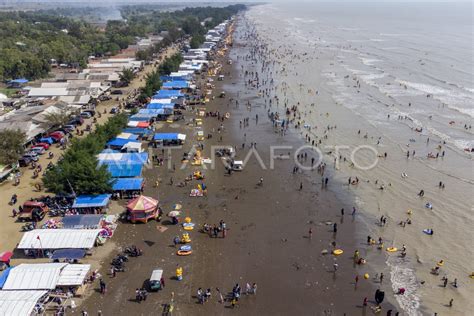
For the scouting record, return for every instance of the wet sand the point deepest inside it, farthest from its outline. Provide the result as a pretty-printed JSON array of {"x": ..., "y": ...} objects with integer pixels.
[{"x": 267, "y": 240}]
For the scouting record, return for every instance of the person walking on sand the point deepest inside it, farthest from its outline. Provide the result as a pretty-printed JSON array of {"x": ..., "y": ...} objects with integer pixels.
[
  {"x": 335, "y": 265},
  {"x": 254, "y": 288},
  {"x": 310, "y": 233},
  {"x": 356, "y": 280},
  {"x": 248, "y": 289},
  {"x": 381, "y": 278},
  {"x": 301, "y": 186},
  {"x": 451, "y": 302},
  {"x": 221, "y": 297}
]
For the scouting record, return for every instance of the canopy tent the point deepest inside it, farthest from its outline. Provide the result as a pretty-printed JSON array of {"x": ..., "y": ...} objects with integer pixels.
[
  {"x": 142, "y": 203},
  {"x": 141, "y": 124},
  {"x": 18, "y": 81},
  {"x": 176, "y": 85},
  {"x": 108, "y": 158},
  {"x": 142, "y": 208},
  {"x": 149, "y": 111},
  {"x": 128, "y": 136},
  {"x": 132, "y": 147},
  {"x": 90, "y": 201},
  {"x": 19, "y": 302},
  {"x": 164, "y": 101},
  {"x": 142, "y": 117},
  {"x": 120, "y": 142},
  {"x": 123, "y": 170},
  {"x": 68, "y": 254},
  {"x": 127, "y": 184},
  {"x": 169, "y": 136},
  {"x": 36, "y": 276},
  {"x": 59, "y": 239},
  {"x": 160, "y": 106},
  {"x": 4, "y": 276},
  {"x": 84, "y": 221},
  {"x": 166, "y": 94},
  {"x": 177, "y": 77},
  {"x": 73, "y": 274},
  {"x": 138, "y": 131}
]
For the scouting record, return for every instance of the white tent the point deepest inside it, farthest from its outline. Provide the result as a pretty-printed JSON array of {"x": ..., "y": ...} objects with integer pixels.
[
  {"x": 39, "y": 276},
  {"x": 19, "y": 302},
  {"x": 73, "y": 274},
  {"x": 133, "y": 147},
  {"x": 59, "y": 239}
]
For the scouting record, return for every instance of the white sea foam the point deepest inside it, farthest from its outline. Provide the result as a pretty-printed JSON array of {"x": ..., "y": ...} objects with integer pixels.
[
  {"x": 369, "y": 61},
  {"x": 467, "y": 111},
  {"x": 402, "y": 276}
]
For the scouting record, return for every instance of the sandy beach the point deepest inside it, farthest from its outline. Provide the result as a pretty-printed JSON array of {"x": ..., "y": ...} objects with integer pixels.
[{"x": 268, "y": 240}]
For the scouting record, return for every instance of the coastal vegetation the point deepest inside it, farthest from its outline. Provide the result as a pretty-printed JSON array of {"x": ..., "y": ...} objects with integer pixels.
[
  {"x": 77, "y": 171},
  {"x": 12, "y": 145},
  {"x": 34, "y": 41}
]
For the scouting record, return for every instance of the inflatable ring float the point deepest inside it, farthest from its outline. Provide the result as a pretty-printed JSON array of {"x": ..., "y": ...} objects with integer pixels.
[
  {"x": 184, "y": 252},
  {"x": 471, "y": 275},
  {"x": 337, "y": 252},
  {"x": 440, "y": 263},
  {"x": 188, "y": 226},
  {"x": 392, "y": 249}
]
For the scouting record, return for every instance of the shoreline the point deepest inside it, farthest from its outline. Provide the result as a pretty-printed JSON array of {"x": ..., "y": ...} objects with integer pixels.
[{"x": 267, "y": 242}]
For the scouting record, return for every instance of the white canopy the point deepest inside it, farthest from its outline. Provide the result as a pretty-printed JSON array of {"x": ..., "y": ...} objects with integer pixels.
[
  {"x": 59, "y": 239},
  {"x": 156, "y": 275},
  {"x": 73, "y": 274},
  {"x": 133, "y": 147},
  {"x": 39, "y": 276},
  {"x": 19, "y": 302},
  {"x": 182, "y": 136}
]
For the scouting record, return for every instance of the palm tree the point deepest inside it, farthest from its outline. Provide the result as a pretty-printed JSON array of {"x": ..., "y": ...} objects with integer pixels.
[{"x": 127, "y": 75}]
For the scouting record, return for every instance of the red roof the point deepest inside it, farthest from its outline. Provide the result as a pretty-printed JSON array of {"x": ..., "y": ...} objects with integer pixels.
[{"x": 142, "y": 203}]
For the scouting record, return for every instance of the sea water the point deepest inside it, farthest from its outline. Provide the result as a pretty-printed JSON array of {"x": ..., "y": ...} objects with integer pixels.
[{"x": 361, "y": 63}]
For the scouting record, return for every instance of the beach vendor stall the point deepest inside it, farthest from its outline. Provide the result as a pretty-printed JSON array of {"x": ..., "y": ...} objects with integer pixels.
[
  {"x": 143, "y": 208},
  {"x": 92, "y": 204}
]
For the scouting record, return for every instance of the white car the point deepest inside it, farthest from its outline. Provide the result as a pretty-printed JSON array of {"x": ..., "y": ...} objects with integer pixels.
[{"x": 39, "y": 150}]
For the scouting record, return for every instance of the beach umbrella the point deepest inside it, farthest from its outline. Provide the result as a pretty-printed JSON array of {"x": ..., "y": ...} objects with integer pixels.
[
  {"x": 177, "y": 206},
  {"x": 174, "y": 213}
]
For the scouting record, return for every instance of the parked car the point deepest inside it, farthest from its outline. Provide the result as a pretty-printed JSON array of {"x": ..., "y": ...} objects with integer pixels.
[
  {"x": 78, "y": 120},
  {"x": 33, "y": 210},
  {"x": 38, "y": 149},
  {"x": 114, "y": 110},
  {"x": 56, "y": 135},
  {"x": 44, "y": 145},
  {"x": 92, "y": 112},
  {"x": 117, "y": 92},
  {"x": 24, "y": 162},
  {"x": 86, "y": 115},
  {"x": 31, "y": 156}
]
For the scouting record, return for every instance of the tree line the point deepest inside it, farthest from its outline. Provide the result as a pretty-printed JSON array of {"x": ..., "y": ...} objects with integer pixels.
[
  {"x": 78, "y": 171},
  {"x": 30, "y": 40}
]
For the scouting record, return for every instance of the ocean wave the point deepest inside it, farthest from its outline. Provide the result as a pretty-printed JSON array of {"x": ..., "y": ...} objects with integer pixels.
[
  {"x": 369, "y": 61},
  {"x": 377, "y": 40},
  {"x": 469, "y": 112},
  {"x": 403, "y": 276}
]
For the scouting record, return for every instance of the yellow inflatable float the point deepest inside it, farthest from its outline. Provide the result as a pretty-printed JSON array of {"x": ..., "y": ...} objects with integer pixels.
[
  {"x": 366, "y": 276},
  {"x": 392, "y": 249},
  {"x": 184, "y": 252},
  {"x": 440, "y": 263},
  {"x": 337, "y": 252}
]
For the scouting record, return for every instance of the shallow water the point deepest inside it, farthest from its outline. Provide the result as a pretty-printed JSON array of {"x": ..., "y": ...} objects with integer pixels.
[{"x": 399, "y": 55}]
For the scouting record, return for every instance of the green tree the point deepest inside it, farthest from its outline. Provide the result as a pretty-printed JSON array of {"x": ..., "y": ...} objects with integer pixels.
[
  {"x": 55, "y": 119},
  {"x": 127, "y": 75},
  {"x": 12, "y": 142}
]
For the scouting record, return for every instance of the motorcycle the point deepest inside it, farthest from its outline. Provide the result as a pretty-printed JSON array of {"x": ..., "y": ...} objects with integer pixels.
[{"x": 133, "y": 251}]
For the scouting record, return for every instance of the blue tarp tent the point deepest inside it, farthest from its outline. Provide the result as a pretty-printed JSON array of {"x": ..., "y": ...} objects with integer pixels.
[
  {"x": 119, "y": 142},
  {"x": 18, "y": 81},
  {"x": 137, "y": 158},
  {"x": 47, "y": 140},
  {"x": 123, "y": 184},
  {"x": 124, "y": 170},
  {"x": 166, "y": 94},
  {"x": 90, "y": 221},
  {"x": 138, "y": 131},
  {"x": 4, "y": 276},
  {"x": 83, "y": 201},
  {"x": 171, "y": 78},
  {"x": 160, "y": 106},
  {"x": 175, "y": 85},
  {"x": 165, "y": 136},
  {"x": 148, "y": 111},
  {"x": 141, "y": 117},
  {"x": 70, "y": 254}
]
